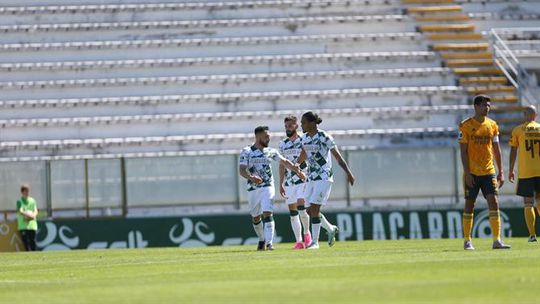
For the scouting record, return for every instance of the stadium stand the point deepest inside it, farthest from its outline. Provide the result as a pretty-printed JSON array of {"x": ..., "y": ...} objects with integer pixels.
[
  {"x": 101, "y": 101},
  {"x": 86, "y": 79},
  {"x": 162, "y": 70}
]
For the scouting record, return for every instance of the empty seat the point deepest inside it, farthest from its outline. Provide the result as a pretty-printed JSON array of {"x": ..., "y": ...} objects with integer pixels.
[
  {"x": 230, "y": 97},
  {"x": 67, "y": 144},
  {"x": 179, "y": 62},
  {"x": 226, "y": 116},
  {"x": 218, "y": 5},
  {"x": 112, "y": 82},
  {"x": 145, "y": 25}
]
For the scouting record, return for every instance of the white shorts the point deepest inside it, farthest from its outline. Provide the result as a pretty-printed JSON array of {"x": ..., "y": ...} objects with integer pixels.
[
  {"x": 294, "y": 193},
  {"x": 261, "y": 200},
  {"x": 318, "y": 192}
]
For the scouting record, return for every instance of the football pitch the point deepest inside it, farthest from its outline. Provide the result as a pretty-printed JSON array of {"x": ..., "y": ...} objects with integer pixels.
[{"x": 405, "y": 271}]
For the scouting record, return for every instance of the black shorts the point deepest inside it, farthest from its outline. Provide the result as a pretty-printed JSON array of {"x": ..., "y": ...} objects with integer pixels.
[
  {"x": 29, "y": 239},
  {"x": 526, "y": 187},
  {"x": 487, "y": 183}
]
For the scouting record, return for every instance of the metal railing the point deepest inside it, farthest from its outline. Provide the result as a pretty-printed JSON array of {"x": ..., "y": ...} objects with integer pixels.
[
  {"x": 118, "y": 186},
  {"x": 506, "y": 59}
]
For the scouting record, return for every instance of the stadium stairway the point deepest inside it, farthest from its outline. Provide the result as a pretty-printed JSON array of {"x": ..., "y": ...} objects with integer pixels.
[{"x": 467, "y": 52}]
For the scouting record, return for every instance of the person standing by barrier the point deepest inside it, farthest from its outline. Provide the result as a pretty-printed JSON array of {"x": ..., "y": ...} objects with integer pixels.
[{"x": 27, "y": 218}]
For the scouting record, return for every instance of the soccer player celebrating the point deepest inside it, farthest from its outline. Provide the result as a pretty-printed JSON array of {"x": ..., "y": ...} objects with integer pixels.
[
  {"x": 317, "y": 146},
  {"x": 254, "y": 165},
  {"x": 292, "y": 188},
  {"x": 479, "y": 145},
  {"x": 526, "y": 139}
]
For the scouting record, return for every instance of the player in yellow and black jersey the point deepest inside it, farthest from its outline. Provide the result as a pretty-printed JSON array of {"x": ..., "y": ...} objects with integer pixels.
[
  {"x": 479, "y": 145},
  {"x": 525, "y": 140}
]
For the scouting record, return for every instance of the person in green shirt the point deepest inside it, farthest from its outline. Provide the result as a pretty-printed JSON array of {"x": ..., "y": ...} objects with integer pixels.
[{"x": 26, "y": 218}]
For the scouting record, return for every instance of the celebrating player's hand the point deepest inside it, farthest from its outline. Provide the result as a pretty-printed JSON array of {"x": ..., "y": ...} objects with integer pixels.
[
  {"x": 255, "y": 179},
  {"x": 469, "y": 181},
  {"x": 500, "y": 179},
  {"x": 511, "y": 177},
  {"x": 282, "y": 191}
]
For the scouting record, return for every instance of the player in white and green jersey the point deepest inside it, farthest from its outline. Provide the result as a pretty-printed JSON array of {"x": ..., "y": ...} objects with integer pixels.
[
  {"x": 255, "y": 166},
  {"x": 317, "y": 146},
  {"x": 292, "y": 188}
]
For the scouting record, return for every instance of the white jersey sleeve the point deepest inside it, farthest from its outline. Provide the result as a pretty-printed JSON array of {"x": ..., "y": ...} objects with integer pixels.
[
  {"x": 275, "y": 155},
  {"x": 244, "y": 157},
  {"x": 330, "y": 143}
]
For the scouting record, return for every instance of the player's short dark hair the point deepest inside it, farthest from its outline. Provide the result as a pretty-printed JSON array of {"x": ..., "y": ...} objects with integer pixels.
[
  {"x": 260, "y": 129},
  {"x": 312, "y": 117},
  {"x": 25, "y": 187},
  {"x": 478, "y": 99},
  {"x": 290, "y": 118}
]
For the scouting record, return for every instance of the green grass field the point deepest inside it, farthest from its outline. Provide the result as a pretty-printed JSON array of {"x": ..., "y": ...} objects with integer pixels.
[{"x": 411, "y": 271}]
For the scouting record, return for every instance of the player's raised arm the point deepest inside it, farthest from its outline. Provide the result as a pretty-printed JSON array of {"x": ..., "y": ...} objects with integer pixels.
[
  {"x": 288, "y": 164},
  {"x": 343, "y": 164},
  {"x": 293, "y": 167}
]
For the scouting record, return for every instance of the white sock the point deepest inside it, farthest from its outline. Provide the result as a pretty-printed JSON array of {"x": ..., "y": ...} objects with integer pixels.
[
  {"x": 296, "y": 227},
  {"x": 315, "y": 231},
  {"x": 304, "y": 218},
  {"x": 269, "y": 231},
  {"x": 259, "y": 230},
  {"x": 325, "y": 223}
]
